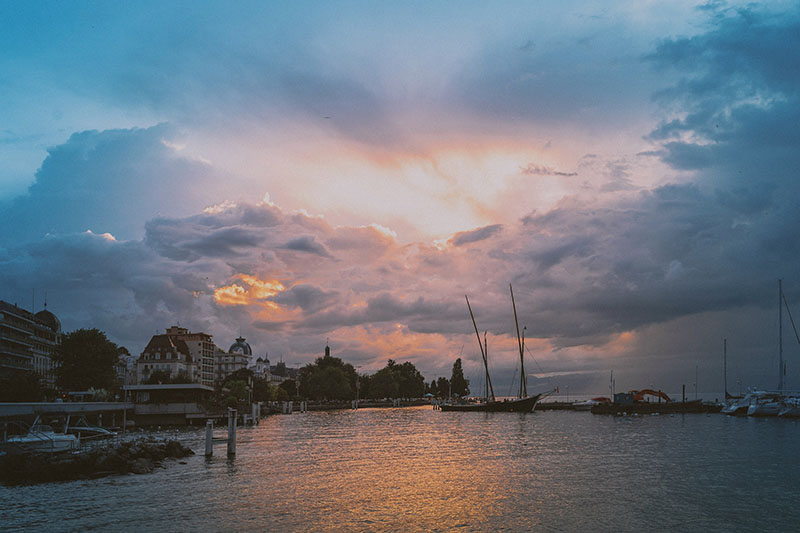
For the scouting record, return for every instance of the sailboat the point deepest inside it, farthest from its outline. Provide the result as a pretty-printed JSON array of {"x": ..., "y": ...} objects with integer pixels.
[
  {"x": 734, "y": 405},
  {"x": 778, "y": 402},
  {"x": 522, "y": 404}
]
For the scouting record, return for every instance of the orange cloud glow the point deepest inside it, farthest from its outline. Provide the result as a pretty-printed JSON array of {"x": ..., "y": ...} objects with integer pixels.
[{"x": 252, "y": 290}]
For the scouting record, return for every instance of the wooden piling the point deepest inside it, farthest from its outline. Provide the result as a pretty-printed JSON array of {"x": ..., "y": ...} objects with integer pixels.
[
  {"x": 209, "y": 438},
  {"x": 231, "y": 432}
]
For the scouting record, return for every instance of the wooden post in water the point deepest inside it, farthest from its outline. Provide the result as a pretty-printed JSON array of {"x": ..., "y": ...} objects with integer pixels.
[
  {"x": 209, "y": 438},
  {"x": 231, "y": 432}
]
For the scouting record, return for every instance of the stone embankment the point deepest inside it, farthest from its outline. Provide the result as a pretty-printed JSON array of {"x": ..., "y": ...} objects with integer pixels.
[{"x": 136, "y": 457}]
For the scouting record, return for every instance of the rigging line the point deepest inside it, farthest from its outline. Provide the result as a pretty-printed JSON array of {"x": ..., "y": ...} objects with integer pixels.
[
  {"x": 511, "y": 387},
  {"x": 790, "y": 318},
  {"x": 538, "y": 365}
]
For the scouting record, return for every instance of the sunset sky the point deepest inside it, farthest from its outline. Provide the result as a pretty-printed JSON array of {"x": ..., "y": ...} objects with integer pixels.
[{"x": 348, "y": 171}]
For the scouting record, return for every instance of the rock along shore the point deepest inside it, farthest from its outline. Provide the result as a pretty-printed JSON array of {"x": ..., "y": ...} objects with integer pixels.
[{"x": 138, "y": 457}]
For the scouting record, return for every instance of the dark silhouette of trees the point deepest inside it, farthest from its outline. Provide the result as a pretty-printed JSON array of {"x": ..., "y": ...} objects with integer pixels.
[
  {"x": 328, "y": 378},
  {"x": 458, "y": 385},
  {"x": 163, "y": 377},
  {"x": 395, "y": 381},
  {"x": 86, "y": 359}
]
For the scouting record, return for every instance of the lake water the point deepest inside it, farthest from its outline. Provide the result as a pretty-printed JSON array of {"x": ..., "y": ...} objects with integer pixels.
[{"x": 412, "y": 469}]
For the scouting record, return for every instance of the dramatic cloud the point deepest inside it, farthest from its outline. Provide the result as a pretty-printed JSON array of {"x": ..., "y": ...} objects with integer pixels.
[
  {"x": 466, "y": 237},
  {"x": 110, "y": 181},
  {"x": 637, "y": 231}
]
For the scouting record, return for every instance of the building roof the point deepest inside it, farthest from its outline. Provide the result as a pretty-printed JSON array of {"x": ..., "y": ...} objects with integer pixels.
[
  {"x": 167, "y": 343},
  {"x": 49, "y": 319},
  {"x": 240, "y": 346},
  {"x": 44, "y": 317}
]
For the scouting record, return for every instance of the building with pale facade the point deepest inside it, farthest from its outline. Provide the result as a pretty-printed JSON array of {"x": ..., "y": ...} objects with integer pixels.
[
  {"x": 179, "y": 351},
  {"x": 28, "y": 342},
  {"x": 236, "y": 358},
  {"x": 260, "y": 368}
]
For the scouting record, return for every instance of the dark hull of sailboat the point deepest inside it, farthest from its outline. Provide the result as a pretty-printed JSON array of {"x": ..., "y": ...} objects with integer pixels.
[{"x": 524, "y": 405}]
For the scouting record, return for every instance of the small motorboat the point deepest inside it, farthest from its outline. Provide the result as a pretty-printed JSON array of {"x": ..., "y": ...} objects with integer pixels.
[{"x": 42, "y": 439}]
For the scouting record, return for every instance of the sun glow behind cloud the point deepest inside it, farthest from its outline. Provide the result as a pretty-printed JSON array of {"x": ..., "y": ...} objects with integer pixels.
[{"x": 251, "y": 291}]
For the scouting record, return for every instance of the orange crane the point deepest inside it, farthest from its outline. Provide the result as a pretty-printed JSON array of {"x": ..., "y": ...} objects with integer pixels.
[{"x": 638, "y": 395}]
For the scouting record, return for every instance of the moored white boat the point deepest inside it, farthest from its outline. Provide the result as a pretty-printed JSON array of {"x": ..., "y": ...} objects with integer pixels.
[
  {"x": 41, "y": 438},
  {"x": 765, "y": 404},
  {"x": 790, "y": 407},
  {"x": 738, "y": 406}
]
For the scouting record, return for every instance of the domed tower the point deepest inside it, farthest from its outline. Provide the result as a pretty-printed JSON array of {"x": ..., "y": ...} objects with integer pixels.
[
  {"x": 241, "y": 347},
  {"x": 49, "y": 319}
]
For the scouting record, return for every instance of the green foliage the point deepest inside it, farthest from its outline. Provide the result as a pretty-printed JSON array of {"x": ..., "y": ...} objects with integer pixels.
[
  {"x": 281, "y": 395},
  {"x": 442, "y": 388},
  {"x": 262, "y": 390},
  {"x": 383, "y": 383},
  {"x": 231, "y": 402},
  {"x": 290, "y": 386},
  {"x": 158, "y": 377},
  {"x": 86, "y": 359},
  {"x": 396, "y": 381},
  {"x": 181, "y": 377},
  {"x": 328, "y": 378},
  {"x": 459, "y": 385},
  {"x": 243, "y": 374},
  {"x": 237, "y": 388},
  {"x": 164, "y": 377}
]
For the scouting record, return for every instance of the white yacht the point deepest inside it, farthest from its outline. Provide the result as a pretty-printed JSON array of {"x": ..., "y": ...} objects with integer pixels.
[
  {"x": 765, "y": 404},
  {"x": 790, "y": 407},
  {"x": 738, "y": 406},
  {"x": 41, "y": 438}
]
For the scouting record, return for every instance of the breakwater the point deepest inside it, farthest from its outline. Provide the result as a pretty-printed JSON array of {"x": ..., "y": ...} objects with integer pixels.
[{"x": 138, "y": 457}]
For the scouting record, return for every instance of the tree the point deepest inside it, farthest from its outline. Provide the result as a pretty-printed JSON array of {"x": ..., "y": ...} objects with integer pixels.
[
  {"x": 396, "y": 381},
  {"x": 458, "y": 385},
  {"x": 262, "y": 390},
  {"x": 86, "y": 359},
  {"x": 383, "y": 383},
  {"x": 443, "y": 387},
  {"x": 328, "y": 378},
  {"x": 290, "y": 386},
  {"x": 158, "y": 377}
]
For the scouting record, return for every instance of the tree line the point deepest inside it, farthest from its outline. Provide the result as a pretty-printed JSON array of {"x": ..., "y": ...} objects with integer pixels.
[{"x": 86, "y": 359}]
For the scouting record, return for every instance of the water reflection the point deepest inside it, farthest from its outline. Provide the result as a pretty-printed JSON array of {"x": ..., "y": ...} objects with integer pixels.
[{"x": 419, "y": 469}]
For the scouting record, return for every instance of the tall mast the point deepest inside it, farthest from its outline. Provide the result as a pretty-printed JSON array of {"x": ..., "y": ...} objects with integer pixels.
[
  {"x": 486, "y": 351},
  {"x": 481, "y": 346},
  {"x": 780, "y": 335},
  {"x": 523, "y": 379},
  {"x": 725, "y": 367}
]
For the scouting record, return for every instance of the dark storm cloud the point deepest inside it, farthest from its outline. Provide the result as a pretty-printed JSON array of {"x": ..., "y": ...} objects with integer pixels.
[
  {"x": 310, "y": 298},
  {"x": 466, "y": 237},
  {"x": 110, "y": 181},
  {"x": 308, "y": 244}
]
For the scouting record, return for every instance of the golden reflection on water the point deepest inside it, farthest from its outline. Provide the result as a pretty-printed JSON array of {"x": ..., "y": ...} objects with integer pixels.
[
  {"x": 419, "y": 469},
  {"x": 389, "y": 469}
]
